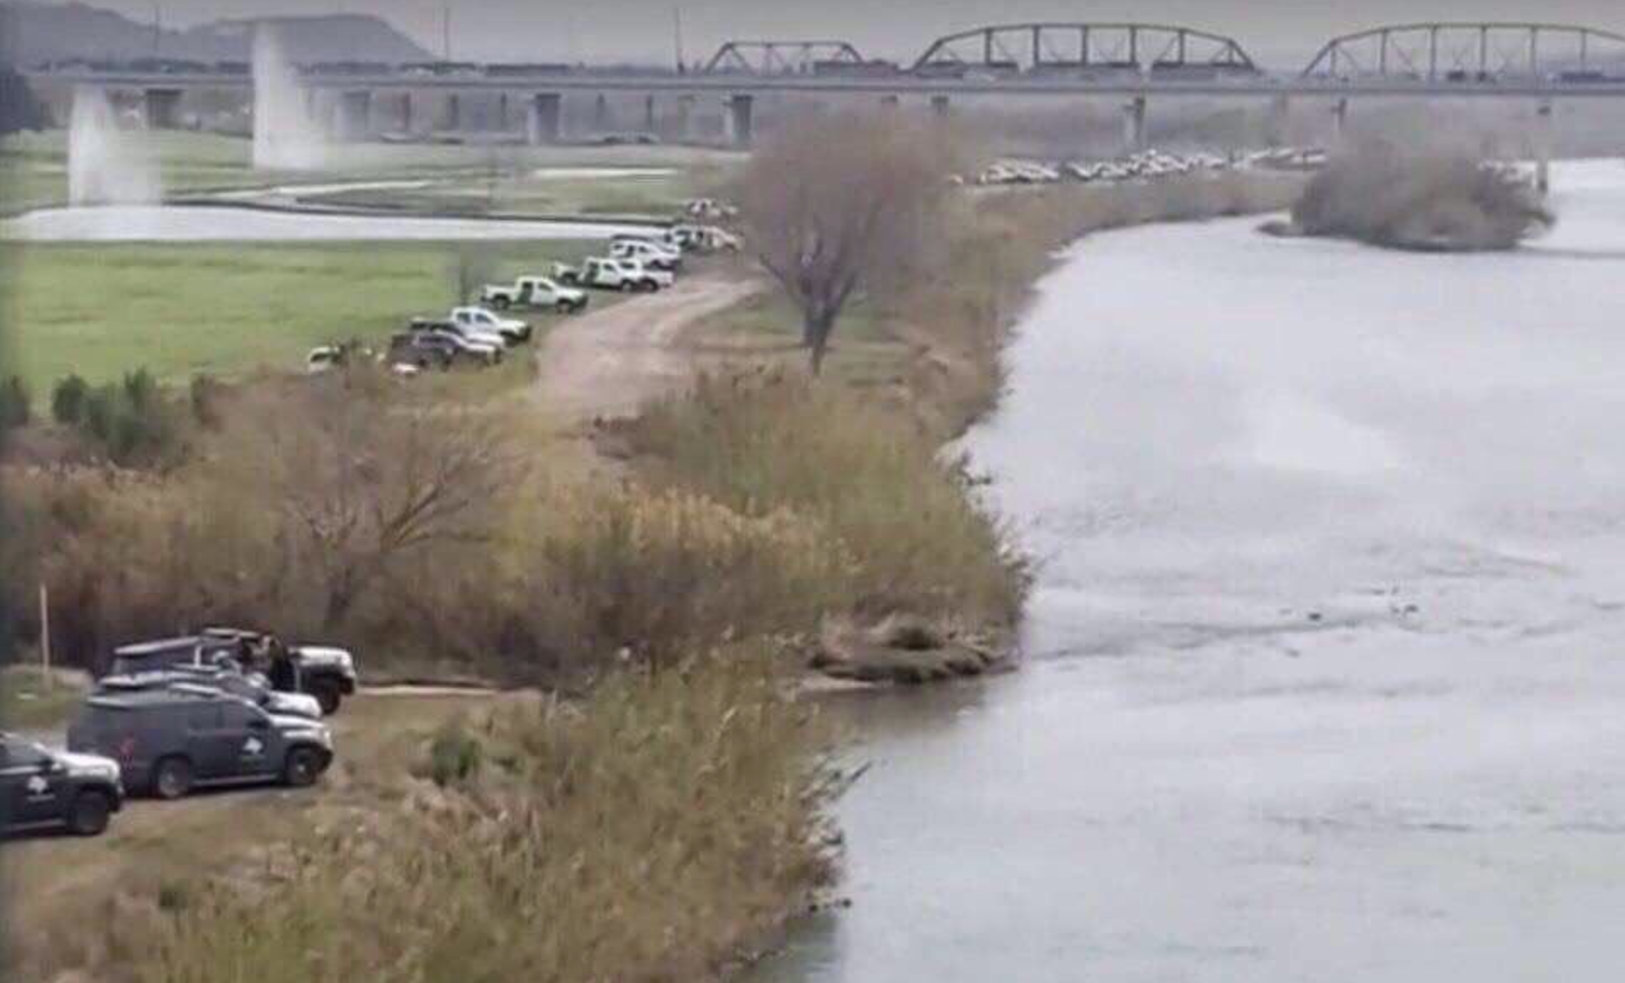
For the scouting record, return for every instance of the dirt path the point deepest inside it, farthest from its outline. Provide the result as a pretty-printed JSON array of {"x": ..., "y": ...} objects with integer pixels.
[{"x": 607, "y": 363}]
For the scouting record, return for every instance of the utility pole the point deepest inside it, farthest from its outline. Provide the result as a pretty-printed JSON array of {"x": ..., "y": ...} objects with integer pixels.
[
  {"x": 677, "y": 35},
  {"x": 157, "y": 29},
  {"x": 445, "y": 32},
  {"x": 45, "y": 636}
]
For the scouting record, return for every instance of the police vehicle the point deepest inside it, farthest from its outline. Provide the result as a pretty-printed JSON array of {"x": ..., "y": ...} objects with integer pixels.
[
  {"x": 41, "y": 789},
  {"x": 168, "y": 741}
]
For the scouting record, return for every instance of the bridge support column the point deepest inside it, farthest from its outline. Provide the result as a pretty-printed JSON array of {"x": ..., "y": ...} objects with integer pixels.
[
  {"x": 406, "y": 113},
  {"x": 162, "y": 108},
  {"x": 685, "y": 119},
  {"x": 649, "y": 114},
  {"x": 1275, "y": 126},
  {"x": 353, "y": 117},
  {"x": 741, "y": 120},
  {"x": 1545, "y": 140},
  {"x": 891, "y": 102},
  {"x": 1134, "y": 129},
  {"x": 502, "y": 113},
  {"x": 310, "y": 105},
  {"x": 941, "y": 106},
  {"x": 1340, "y": 119},
  {"x": 454, "y": 112},
  {"x": 542, "y": 120},
  {"x": 601, "y": 118}
]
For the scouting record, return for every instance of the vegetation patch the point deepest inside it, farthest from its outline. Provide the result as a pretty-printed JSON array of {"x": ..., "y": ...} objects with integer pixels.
[
  {"x": 644, "y": 834},
  {"x": 1383, "y": 196}
]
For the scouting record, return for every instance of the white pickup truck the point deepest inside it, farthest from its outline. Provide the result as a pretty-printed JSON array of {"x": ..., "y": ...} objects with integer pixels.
[
  {"x": 615, "y": 274},
  {"x": 536, "y": 292},
  {"x": 481, "y": 325},
  {"x": 657, "y": 255}
]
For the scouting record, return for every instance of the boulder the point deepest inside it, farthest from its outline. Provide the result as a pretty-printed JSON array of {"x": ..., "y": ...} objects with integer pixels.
[{"x": 901, "y": 650}]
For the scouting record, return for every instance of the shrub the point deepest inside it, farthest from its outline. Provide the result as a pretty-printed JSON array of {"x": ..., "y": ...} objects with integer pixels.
[
  {"x": 1380, "y": 195},
  {"x": 863, "y": 473},
  {"x": 68, "y": 401},
  {"x": 454, "y": 755}
]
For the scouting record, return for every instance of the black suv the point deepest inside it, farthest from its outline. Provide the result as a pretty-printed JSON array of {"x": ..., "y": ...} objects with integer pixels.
[
  {"x": 328, "y": 674},
  {"x": 42, "y": 789},
  {"x": 423, "y": 350},
  {"x": 168, "y": 741},
  {"x": 226, "y": 677}
]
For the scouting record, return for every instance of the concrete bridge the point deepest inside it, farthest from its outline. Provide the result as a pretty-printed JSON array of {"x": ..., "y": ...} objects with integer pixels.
[{"x": 1137, "y": 63}]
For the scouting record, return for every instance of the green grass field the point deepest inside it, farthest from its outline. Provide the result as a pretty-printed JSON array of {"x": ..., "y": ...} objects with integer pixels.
[
  {"x": 103, "y": 310},
  {"x": 35, "y": 169}
]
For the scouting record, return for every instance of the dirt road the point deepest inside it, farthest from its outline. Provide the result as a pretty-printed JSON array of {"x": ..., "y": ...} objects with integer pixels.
[{"x": 607, "y": 363}]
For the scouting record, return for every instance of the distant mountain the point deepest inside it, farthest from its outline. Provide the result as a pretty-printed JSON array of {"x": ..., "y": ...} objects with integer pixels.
[{"x": 33, "y": 32}]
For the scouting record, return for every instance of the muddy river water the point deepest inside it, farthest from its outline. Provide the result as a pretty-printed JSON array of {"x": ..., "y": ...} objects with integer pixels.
[{"x": 1326, "y": 673}]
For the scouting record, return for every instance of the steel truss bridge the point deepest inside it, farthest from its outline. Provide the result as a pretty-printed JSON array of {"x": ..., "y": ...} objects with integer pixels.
[
  {"x": 1051, "y": 48},
  {"x": 1487, "y": 52},
  {"x": 1137, "y": 62}
]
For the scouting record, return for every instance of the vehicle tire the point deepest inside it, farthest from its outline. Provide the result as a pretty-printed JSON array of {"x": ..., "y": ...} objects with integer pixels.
[
  {"x": 627, "y": 286},
  {"x": 172, "y": 779},
  {"x": 90, "y": 813},
  {"x": 327, "y": 697},
  {"x": 302, "y": 768},
  {"x": 501, "y": 303}
]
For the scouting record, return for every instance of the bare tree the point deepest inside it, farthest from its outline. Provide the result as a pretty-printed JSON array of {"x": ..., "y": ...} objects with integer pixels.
[
  {"x": 834, "y": 202},
  {"x": 364, "y": 479},
  {"x": 473, "y": 265}
]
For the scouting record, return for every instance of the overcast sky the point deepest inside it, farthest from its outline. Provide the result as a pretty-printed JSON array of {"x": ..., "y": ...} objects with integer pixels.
[{"x": 643, "y": 29}]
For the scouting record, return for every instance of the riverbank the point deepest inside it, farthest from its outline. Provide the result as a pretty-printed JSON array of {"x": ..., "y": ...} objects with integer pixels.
[{"x": 758, "y": 506}]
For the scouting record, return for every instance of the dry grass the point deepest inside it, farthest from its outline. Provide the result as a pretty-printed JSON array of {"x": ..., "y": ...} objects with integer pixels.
[
  {"x": 867, "y": 476},
  {"x": 640, "y": 836}
]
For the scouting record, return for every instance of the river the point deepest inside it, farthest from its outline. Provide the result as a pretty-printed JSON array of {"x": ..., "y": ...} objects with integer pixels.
[{"x": 1325, "y": 676}]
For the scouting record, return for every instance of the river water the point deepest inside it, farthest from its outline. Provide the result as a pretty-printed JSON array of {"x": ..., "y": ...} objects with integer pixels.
[{"x": 1326, "y": 676}]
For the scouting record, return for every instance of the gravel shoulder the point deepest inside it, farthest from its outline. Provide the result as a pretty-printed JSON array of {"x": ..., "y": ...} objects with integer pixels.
[{"x": 607, "y": 363}]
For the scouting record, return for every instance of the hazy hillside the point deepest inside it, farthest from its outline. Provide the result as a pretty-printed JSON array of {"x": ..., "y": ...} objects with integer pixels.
[{"x": 33, "y": 32}]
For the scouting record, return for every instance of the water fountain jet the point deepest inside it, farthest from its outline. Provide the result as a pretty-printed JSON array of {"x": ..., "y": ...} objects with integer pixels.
[
  {"x": 106, "y": 166},
  {"x": 286, "y": 138}
]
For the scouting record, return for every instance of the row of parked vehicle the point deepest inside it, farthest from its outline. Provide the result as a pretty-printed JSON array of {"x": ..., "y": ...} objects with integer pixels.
[
  {"x": 482, "y": 335},
  {"x": 224, "y": 707},
  {"x": 1150, "y": 165}
]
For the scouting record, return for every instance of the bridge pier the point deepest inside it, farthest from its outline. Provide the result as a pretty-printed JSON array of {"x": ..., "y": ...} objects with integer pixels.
[
  {"x": 602, "y": 120},
  {"x": 1340, "y": 119},
  {"x": 454, "y": 112},
  {"x": 685, "y": 118},
  {"x": 406, "y": 113},
  {"x": 353, "y": 116},
  {"x": 502, "y": 112},
  {"x": 741, "y": 120},
  {"x": 1545, "y": 140},
  {"x": 1134, "y": 125},
  {"x": 542, "y": 120},
  {"x": 650, "y": 120},
  {"x": 941, "y": 106},
  {"x": 1275, "y": 125},
  {"x": 162, "y": 108}
]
